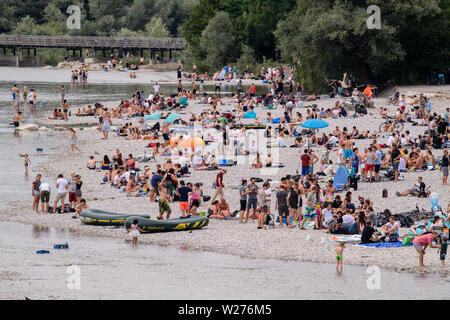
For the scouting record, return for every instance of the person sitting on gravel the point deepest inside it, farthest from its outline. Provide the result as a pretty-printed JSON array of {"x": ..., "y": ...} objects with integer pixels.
[
  {"x": 370, "y": 235},
  {"x": 418, "y": 190},
  {"x": 391, "y": 229},
  {"x": 80, "y": 207}
]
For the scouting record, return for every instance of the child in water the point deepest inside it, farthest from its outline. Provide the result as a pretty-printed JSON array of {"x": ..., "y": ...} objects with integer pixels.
[
  {"x": 26, "y": 161},
  {"x": 339, "y": 251},
  {"x": 134, "y": 231}
]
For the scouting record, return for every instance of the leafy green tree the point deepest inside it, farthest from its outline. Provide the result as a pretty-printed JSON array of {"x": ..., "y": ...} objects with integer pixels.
[
  {"x": 156, "y": 29},
  {"x": 331, "y": 37},
  {"x": 53, "y": 13},
  {"x": 7, "y": 15},
  {"x": 216, "y": 41}
]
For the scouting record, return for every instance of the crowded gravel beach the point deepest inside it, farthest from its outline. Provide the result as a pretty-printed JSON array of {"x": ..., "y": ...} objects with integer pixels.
[{"x": 280, "y": 173}]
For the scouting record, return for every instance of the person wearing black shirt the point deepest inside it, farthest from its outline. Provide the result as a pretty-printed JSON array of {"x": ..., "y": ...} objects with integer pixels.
[
  {"x": 337, "y": 203},
  {"x": 395, "y": 156},
  {"x": 444, "y": 167},
  {"x": 184, "y": 192},
  {"x": 369, "y": 234}
]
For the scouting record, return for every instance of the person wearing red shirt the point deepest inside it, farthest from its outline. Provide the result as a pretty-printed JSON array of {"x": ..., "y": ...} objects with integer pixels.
[
  {"x": 305, "y": 158},
  {"x": 219, "y": 184},
  {"x": 421, "y": 243},
  {"x": 252, "y": 90}
]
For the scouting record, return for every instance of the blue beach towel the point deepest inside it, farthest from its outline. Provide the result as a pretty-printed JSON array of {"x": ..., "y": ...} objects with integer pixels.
[
  {"x": 384, "y": 245},
  {"x": 250, "y": 115}
]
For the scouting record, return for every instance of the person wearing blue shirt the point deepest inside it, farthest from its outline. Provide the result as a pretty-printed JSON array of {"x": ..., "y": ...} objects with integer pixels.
[
  {"x": 154, "y": 181},
  {"x": 446, "y": 115},
  {"x": 377, "y": 164},
  {"x": 355, "y": 160}
]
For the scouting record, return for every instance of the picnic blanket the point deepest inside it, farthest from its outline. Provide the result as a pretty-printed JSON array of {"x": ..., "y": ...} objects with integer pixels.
[
  {"x": 384, "y": 245},
  {"x": 345, "y": 238}
]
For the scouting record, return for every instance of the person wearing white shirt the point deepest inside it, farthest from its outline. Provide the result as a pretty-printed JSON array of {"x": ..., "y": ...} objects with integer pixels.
[
  {"x": 299, "y": 103},
  {"x": 409, "y": 138},
  {"x": 183, "y": 161},
  {"x": 402, "y": 165},
  {"x": 281, "y": 142},
  {"x": 253, "y": 148},
  {"x": 196, "y": 160},
  {"x": 62, "y": 188},
  {"x": 390, "y": 141},
  {"x": 45, "y": 190},
  {"x": 156, "y": 87}
]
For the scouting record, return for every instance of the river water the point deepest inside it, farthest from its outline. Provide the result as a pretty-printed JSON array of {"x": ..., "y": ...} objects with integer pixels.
[{"x": 112, "y": 269}]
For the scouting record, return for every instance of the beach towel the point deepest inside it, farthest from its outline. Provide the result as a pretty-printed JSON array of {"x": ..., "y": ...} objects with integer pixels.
[
  {"x": 384, "y": 245},
  {"x": 340, "y": 179},
  {"x": 250, "y": 115},
  {"x": 356, "y": 238},
  {"x": 154, "y": 116},
  {"x": 172, "y": 118},
  {"x": 183, "y": 102}
]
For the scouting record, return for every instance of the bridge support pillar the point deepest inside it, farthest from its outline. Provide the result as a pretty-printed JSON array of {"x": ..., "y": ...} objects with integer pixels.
[
  {"x": 34, "y": 52},
  {"x": 170, "y": 54}
]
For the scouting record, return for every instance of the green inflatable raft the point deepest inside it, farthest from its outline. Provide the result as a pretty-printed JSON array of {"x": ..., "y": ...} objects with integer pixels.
[
  {"x": 105, "y": 218},
  {"x": 248, "y": 126},
  {"x": 150, "y": 226}
]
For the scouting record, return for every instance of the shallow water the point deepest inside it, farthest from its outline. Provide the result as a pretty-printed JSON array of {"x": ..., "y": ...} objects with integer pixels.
[{"x": 113, "y": 269}]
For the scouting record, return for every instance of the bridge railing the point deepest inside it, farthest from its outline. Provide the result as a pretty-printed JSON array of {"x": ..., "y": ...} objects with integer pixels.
[{"x": 91, "y": 42}]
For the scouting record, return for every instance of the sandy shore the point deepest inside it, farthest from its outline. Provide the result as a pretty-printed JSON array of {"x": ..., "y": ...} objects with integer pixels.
[{"x": 230, "y": 236}]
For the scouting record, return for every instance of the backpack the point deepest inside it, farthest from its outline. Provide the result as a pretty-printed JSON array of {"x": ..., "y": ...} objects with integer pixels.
[
  {"x": 404, "y": 223},
  {"x": 384, "y": 193}
]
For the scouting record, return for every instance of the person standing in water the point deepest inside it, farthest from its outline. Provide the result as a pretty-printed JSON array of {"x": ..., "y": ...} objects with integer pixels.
[
  {"x": 15, "y": 97},
  {"x": 27, "y": 162},
  {"x": 17, "y": 118},
  {"x": 32, "y": 97},
  {"x": 25, "y": 92},
  {"x": 65, "y": 107},
  {"x": 339, "y": 251},
  {"x": 134, "y": 233},
  {"x": 63, "y": 94}
]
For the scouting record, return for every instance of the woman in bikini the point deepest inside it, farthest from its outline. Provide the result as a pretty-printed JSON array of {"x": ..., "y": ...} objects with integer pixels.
[{"x": 195, "y": 200}]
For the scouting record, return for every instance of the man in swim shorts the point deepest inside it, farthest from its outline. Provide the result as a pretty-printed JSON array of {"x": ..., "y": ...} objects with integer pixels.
[
  {"x": 348, "y": 145},
  {"x": 17, "y": 118}
]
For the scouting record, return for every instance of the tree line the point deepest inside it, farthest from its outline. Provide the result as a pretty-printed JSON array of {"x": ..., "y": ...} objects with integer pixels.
[{"x": 321, "y": 39}]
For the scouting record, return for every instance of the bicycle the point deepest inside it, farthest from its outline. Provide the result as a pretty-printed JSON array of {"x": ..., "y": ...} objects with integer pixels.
[{"x": 392, "y": 100}]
